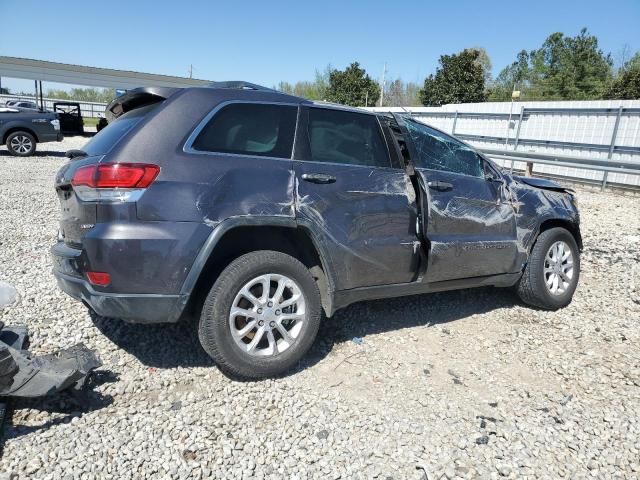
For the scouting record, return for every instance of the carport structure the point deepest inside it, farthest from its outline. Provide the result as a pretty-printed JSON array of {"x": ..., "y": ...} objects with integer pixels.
[{"x": 41, "y": 70}]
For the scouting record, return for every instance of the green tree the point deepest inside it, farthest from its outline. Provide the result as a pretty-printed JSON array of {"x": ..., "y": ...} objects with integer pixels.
[
  {"x": 633, "y": 63},
  {"x": 102, "y": 95},
  {"x": 313, "y": 90},
  {"x": 571, "y": 68},
  {"x": 626, "y": 85},
  {"x": 563, "y": 68},
  {"x": 485, "y": 62},
  {"x": 459, "y": 79},
  {"x": 512, "y": 77},
  {"x": 352, "y": 86}
]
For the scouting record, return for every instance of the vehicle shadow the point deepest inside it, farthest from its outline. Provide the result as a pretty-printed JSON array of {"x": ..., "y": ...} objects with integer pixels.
[
  {"x": 37, "y": 153},
  {"x": 165, "y": 345},
  {"x": 177, "y": 345},
  {"x": 48, "y": 153}
]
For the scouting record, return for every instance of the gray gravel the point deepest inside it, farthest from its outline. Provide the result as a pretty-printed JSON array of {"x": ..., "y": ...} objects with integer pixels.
[{"x": 469, "y": 384}]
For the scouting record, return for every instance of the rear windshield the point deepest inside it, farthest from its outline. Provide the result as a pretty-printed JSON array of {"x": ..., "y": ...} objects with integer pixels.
[{"x": 106, "y": 138}]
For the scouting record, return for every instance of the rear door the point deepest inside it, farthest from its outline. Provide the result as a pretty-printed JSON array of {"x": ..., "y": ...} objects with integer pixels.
[
  {"x": 470, "y": 223},
  {"x": 357, "y": 204}
]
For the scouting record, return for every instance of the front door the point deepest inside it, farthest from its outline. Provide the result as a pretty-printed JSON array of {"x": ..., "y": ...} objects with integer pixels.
[
  {"x": 357, "y": 205},
  {"x": 470, "y": 223}
]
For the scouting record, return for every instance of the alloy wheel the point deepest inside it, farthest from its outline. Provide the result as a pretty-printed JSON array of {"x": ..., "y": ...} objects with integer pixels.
[
  {"x": 267, "y": 315},
  {"x": 558, "y": 268},
  {"x": 21, "y": 144}
]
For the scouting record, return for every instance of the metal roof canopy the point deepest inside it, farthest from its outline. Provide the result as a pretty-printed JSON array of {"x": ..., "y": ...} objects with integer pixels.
[{"x": 89, "y": 76}]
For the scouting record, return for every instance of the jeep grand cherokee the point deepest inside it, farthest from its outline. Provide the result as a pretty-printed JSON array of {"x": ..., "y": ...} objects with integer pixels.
[{"x": 258, "y": 210}]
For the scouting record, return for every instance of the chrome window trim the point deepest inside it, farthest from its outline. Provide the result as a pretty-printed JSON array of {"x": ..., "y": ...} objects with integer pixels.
[
  {"x": 350, "y": 165},
  {"x": 188, "y": 144}
]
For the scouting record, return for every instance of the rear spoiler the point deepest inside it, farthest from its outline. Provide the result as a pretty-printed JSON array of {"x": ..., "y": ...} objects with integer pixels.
[{"x": 136, "y": 98}]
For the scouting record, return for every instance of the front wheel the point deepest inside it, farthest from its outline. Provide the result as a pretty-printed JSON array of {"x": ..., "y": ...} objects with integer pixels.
[
  {"x": 551, "y": 275},
  {"x": 261, "y": 315}
]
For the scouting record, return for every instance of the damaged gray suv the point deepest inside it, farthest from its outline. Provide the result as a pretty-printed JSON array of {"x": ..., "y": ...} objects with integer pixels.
[{"x": 257, "y": 211}]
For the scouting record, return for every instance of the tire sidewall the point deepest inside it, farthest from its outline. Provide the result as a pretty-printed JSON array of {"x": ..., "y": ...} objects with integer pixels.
[
  {"x": 542, "y": 246},
  {"x": 214, "y": 320},
  {"x": 17, "y": 154}
]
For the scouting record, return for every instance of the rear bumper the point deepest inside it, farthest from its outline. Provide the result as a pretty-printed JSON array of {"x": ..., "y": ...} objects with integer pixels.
[{"x": 134, "y": 308}]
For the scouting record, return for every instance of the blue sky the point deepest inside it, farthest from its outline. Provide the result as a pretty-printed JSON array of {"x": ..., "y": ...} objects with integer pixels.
[{"x": 268, "y": 41}]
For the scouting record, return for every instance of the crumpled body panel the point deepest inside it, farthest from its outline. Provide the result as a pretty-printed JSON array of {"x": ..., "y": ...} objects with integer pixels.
[
  {"x": 533, "y": 205},
  {"x": 22, "y": 375}
]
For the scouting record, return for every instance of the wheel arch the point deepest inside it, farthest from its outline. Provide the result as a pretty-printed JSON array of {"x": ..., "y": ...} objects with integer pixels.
[
  {"x": 236, "y": 236},
  {"x": 569, "y": 225},
  {"x": 11, "y": 130}
]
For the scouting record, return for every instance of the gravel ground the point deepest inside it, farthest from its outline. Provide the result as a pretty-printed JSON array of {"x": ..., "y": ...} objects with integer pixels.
[{"x": 469, "y": 384}]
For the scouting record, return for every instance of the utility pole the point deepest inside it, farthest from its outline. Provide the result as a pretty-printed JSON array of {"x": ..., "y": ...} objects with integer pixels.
[
  {"x": 384, "y": 73},
  {"x": 191, "y": 71}
]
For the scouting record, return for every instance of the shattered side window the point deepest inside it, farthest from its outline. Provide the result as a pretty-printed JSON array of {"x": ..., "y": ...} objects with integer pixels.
[{"x": 437, "y": 151}]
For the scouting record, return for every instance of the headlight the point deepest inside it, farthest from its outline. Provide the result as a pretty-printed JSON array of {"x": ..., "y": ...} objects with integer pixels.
[{"x": 56, "y": 124}]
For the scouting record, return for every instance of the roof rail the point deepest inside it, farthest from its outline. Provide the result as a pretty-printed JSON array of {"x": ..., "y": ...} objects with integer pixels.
[{"x": 240, "y": 84}]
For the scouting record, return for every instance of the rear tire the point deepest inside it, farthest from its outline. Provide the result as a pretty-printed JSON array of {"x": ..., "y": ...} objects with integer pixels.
[
  {"x": 279, "y": 323},
  {"x": 552, "y": 272},
  {"x": 21, "y": 144}
]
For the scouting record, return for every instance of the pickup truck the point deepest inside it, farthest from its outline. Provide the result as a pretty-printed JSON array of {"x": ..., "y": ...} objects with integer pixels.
[{"x": 22, "y": 129}]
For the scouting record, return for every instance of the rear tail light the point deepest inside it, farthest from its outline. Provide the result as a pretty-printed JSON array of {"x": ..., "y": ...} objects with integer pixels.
[
  {"x": 101, "y": 279},
  {"x": 116, "y": 175},
  {"x": 113, "y": 181}
]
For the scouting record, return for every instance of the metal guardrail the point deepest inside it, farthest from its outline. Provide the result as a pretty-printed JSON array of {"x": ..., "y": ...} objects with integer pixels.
[
  {"x": 549, "y": 143},
  {"x": 531, "y": 158}
]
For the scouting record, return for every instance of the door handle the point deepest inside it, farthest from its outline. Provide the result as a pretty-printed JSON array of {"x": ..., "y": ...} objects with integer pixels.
[
  {"x": 318, "y": 178},
  {"x": 440, "y": 186}
]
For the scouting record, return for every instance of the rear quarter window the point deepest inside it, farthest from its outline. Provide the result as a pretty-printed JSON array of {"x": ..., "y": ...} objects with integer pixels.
[{"x": 255, "y": 129}]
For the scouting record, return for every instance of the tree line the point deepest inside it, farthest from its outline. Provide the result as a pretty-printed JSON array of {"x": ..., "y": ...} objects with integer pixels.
[{"x": 563, "y": 68}]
